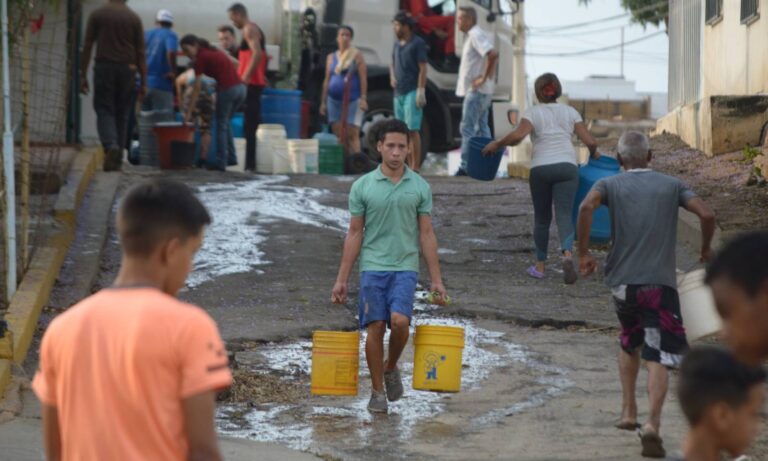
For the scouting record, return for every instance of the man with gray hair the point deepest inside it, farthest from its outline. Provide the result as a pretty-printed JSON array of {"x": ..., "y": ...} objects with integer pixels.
[{"x": 641, "y": 272}]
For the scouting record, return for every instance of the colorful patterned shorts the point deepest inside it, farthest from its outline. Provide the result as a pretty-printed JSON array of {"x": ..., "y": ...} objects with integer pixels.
[{"x": 650, "y": 317}]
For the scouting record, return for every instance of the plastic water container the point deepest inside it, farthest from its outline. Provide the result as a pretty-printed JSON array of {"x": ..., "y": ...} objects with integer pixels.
[
  {"x": 281, "y": 159},
  {"x": 304, "y": 154},
  {"x": 589, "y": 174},
  {"x": 326, "y": 138},
  {"x": 480, "y": 166},
  {"x": 437, "y": 358},
  {"x": 237, "y": 125},
  {"x": 697, "y": 306},
  {"x": 167, "y": 132},
  {"x": 148, "y": 154},
  {"x": 335, "y": 362},
  {"x": 268, "y": 135},
  {"x": 282, "y": 107}
]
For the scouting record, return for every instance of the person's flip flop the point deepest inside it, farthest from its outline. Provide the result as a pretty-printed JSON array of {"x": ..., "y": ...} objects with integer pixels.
[
  {"x": 534, "y": 273},
  {"x": 653, "y": 445},
  {"x": 627, "y": 426}
]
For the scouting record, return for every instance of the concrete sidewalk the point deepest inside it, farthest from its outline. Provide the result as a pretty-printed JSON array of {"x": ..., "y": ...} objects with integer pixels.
[{"x": 21, "y": 440}]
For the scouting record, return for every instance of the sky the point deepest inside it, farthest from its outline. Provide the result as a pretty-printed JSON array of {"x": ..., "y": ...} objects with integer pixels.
[{"x": 645, "y": 62}]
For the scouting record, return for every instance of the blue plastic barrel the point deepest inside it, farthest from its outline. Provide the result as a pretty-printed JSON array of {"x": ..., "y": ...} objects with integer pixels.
[
  {"x": 479, "y": 166},
  {"x": 589, "y": 174},
  {"x": 237, "y": 125},
  {"x": 282, "y": 107}
]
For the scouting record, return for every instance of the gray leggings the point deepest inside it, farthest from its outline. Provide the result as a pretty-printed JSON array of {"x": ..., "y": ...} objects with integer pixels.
[{"x": 553, "y": 183}]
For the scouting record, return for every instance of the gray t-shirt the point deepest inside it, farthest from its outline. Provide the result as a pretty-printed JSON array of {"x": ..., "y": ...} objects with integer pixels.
[
  {"x": 406, "y": 59},
  {"x": 643, "y": 207}
]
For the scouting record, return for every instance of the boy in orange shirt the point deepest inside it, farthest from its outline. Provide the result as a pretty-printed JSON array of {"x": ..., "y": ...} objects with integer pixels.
[{"x": 131, "y": 373}]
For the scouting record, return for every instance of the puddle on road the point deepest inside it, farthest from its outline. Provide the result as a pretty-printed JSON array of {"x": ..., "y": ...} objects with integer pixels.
[
  {"x": 321, "y": 423},
  {"x": 241, "y": 209}
]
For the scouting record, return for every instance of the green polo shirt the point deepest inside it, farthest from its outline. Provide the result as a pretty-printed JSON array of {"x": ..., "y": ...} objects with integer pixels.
[{"x": 391, "y": 211}]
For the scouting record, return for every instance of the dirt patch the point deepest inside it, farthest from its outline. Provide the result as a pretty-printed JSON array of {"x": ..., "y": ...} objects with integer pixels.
[{"x": 256, "y": 388}]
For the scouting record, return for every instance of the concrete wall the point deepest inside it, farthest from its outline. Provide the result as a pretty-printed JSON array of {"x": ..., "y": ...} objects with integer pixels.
[
  {"x": 732, "y": 111},
  {"x": 609, "y": 110}
]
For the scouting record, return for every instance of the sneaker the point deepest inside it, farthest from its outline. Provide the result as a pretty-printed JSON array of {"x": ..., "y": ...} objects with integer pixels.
[
  {"x": 393, "y": 384},
  {"x": 378, "y": 402},
  {"x": 569, "y": 271}
]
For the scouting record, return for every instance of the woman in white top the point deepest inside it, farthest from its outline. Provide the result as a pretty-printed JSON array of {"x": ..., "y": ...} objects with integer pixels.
[{"x": 554, "y": 168}]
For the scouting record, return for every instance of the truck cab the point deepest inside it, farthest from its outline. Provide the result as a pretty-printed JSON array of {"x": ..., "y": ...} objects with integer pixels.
[{"x": 374, "y": 37}]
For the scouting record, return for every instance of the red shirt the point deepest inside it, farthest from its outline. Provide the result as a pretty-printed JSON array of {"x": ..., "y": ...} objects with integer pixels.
[{"x": 216, "y": 64}]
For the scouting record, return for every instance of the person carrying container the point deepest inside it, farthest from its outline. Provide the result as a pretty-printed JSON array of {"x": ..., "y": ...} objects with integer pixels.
[
  {"x": 554, "y": 169},
  {"x": 641, "y": 273},
  {"x": 391, "y": 211},
  {"x": 230, "y": 91},
  {"x": 346, "y": 79}
]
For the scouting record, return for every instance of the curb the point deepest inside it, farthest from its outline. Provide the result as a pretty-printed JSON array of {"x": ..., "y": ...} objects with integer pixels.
[{"x": 35, "y": 287}]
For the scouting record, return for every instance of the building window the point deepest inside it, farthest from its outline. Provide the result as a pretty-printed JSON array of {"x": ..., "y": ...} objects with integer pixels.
[
  {"x": 714, "y": 11},
  {"x": 749, "y": 13}
]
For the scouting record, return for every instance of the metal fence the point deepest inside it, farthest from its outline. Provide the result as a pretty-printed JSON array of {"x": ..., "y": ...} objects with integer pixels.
[{"x": 685, "y": 40}]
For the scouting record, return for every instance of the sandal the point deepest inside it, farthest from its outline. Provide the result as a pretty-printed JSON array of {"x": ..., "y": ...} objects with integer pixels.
[
  {"x": 535, "y": 273},
  {"x": 653, "y": 445},
  {"x": 627, "y": 426}
]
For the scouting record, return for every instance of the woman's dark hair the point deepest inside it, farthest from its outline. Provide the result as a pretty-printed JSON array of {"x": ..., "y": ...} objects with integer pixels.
[
  {"x": 548, "y": 88},
  {"x": 349, "y": 28},
  {"x": 194, "y": 40}
]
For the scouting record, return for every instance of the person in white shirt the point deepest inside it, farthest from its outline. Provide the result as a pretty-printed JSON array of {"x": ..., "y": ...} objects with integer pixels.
[
  {"x": 554, "y": 169},
  {"x": 475, "y": 84}
]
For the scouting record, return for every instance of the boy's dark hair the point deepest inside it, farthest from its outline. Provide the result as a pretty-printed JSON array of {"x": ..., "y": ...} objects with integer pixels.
[
  {"x": 743, "y": 261},
  {"x": 227, "y": 28},
  {"x": 389, "y": 126},
  {"x": 548, "y": 88},
  {"x": 349, "y": 28},
  {"x": 238, "y": 8},
  {"x": 156, "y": 210},
  {"x": 710, "y": 375}
]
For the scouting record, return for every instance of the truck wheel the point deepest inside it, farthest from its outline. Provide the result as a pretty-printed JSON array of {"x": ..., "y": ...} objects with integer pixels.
[{"x": 380, "y": 108}]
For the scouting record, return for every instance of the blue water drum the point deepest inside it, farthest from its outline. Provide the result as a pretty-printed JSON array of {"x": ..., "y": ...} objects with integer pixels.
[
  {"x": 479, "y": 166},
  {"x": 589, "y": 174},
  {"x": 282, "y": 107}
]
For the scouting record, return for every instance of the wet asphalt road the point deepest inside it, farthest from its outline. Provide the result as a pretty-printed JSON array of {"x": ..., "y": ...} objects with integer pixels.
[{"x": 539, "y": 377}]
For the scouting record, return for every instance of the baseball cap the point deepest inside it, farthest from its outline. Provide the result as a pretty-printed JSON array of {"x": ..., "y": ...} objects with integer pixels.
[
  {"x": 404, "y": 18},
  {"x": 164, "y": 16}
]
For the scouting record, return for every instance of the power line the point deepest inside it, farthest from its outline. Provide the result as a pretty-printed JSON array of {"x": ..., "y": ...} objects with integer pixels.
[
  {"x": 655, "y": 6},
  {"x": 596, "y": 50}
]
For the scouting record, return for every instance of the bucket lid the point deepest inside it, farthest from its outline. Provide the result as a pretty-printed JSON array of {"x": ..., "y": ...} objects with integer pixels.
[{"x": 271, "y": 126}]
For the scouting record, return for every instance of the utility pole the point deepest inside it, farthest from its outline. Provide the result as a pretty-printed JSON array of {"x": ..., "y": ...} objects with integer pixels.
[
  {"x": 8, "y": 164},
  {"x": 622, "y": 52}
]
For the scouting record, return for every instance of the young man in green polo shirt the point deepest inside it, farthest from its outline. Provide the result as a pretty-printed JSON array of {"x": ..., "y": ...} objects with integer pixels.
[{"x": 391, "y": 215}]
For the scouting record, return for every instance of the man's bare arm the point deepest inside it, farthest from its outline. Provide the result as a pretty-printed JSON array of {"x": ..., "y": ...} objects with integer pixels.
[
  {"x": 199, "y": 427},
  {"x": 51, "y": 432},
  {"x": 253, "y": 39}
]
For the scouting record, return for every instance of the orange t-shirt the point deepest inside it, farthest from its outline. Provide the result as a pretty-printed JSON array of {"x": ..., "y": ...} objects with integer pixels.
[{"x": 117, "y": 366}]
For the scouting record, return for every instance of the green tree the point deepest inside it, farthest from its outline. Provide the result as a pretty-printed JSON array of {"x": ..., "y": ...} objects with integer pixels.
[{"x": 645, "y": 11}]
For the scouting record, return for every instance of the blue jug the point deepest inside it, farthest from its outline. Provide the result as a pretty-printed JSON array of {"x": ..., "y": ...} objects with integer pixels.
[{"x": 589, "y": 174}]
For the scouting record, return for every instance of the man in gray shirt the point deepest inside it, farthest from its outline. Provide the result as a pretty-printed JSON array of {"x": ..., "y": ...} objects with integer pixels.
[{"x": 641, "y": 273}]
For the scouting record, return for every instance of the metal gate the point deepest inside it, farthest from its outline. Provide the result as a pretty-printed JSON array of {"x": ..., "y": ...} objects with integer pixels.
[{"x": 685, "y": 39}]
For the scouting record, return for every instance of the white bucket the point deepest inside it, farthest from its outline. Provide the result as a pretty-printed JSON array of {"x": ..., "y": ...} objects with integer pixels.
[
  {"x": 281, "y": 159},
  {"x": 304, "y": 155},
  {"x": 240, "y": 153},
  {"x": 697, "y": 306},
  {"x": 269, "y": 137}
]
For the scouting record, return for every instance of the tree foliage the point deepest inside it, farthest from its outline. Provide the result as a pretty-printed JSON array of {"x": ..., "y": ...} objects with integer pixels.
[{"x": 644, "y": 12}]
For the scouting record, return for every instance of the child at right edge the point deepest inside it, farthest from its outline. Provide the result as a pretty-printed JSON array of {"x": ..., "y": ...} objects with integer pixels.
[{"x": 722, "y": 399}]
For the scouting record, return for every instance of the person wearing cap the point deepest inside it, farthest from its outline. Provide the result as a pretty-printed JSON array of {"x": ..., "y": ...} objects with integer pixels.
[
  {"x": 475, "y": 83},
  {"x": 162, "y": 44},
  {"x": 408, "y": 77}
]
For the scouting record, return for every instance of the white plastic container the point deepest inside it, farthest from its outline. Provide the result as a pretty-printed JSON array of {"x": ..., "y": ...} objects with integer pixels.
[
  {"x": 281, "y": 159},
  {"x": 304, "y": 155},
  {"x": 240, "y": 152},
  {"x": 697, "y": 306},
  {"x": 269, "y": 137}
]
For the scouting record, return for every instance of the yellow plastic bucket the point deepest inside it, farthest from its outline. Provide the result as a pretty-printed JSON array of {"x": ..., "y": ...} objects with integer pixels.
[
  {"x": 335, "y": 362},
  {"x": 437, "y": 358}
]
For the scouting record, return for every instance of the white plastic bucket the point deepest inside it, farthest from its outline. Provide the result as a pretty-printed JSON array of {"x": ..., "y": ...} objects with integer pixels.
[
  {"x": 281, "y": 160},
  {"x": 269, "y": 137},
  {"x": 304, "y": 155},
  {"x": 240, "y": 152},
  {"x": 697, "y": 306}
]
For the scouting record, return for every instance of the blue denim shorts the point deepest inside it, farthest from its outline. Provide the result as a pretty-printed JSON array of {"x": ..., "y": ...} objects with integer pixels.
[
  {"x": 333, "y": 111},
  {"x": 382, "y": 293}
]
